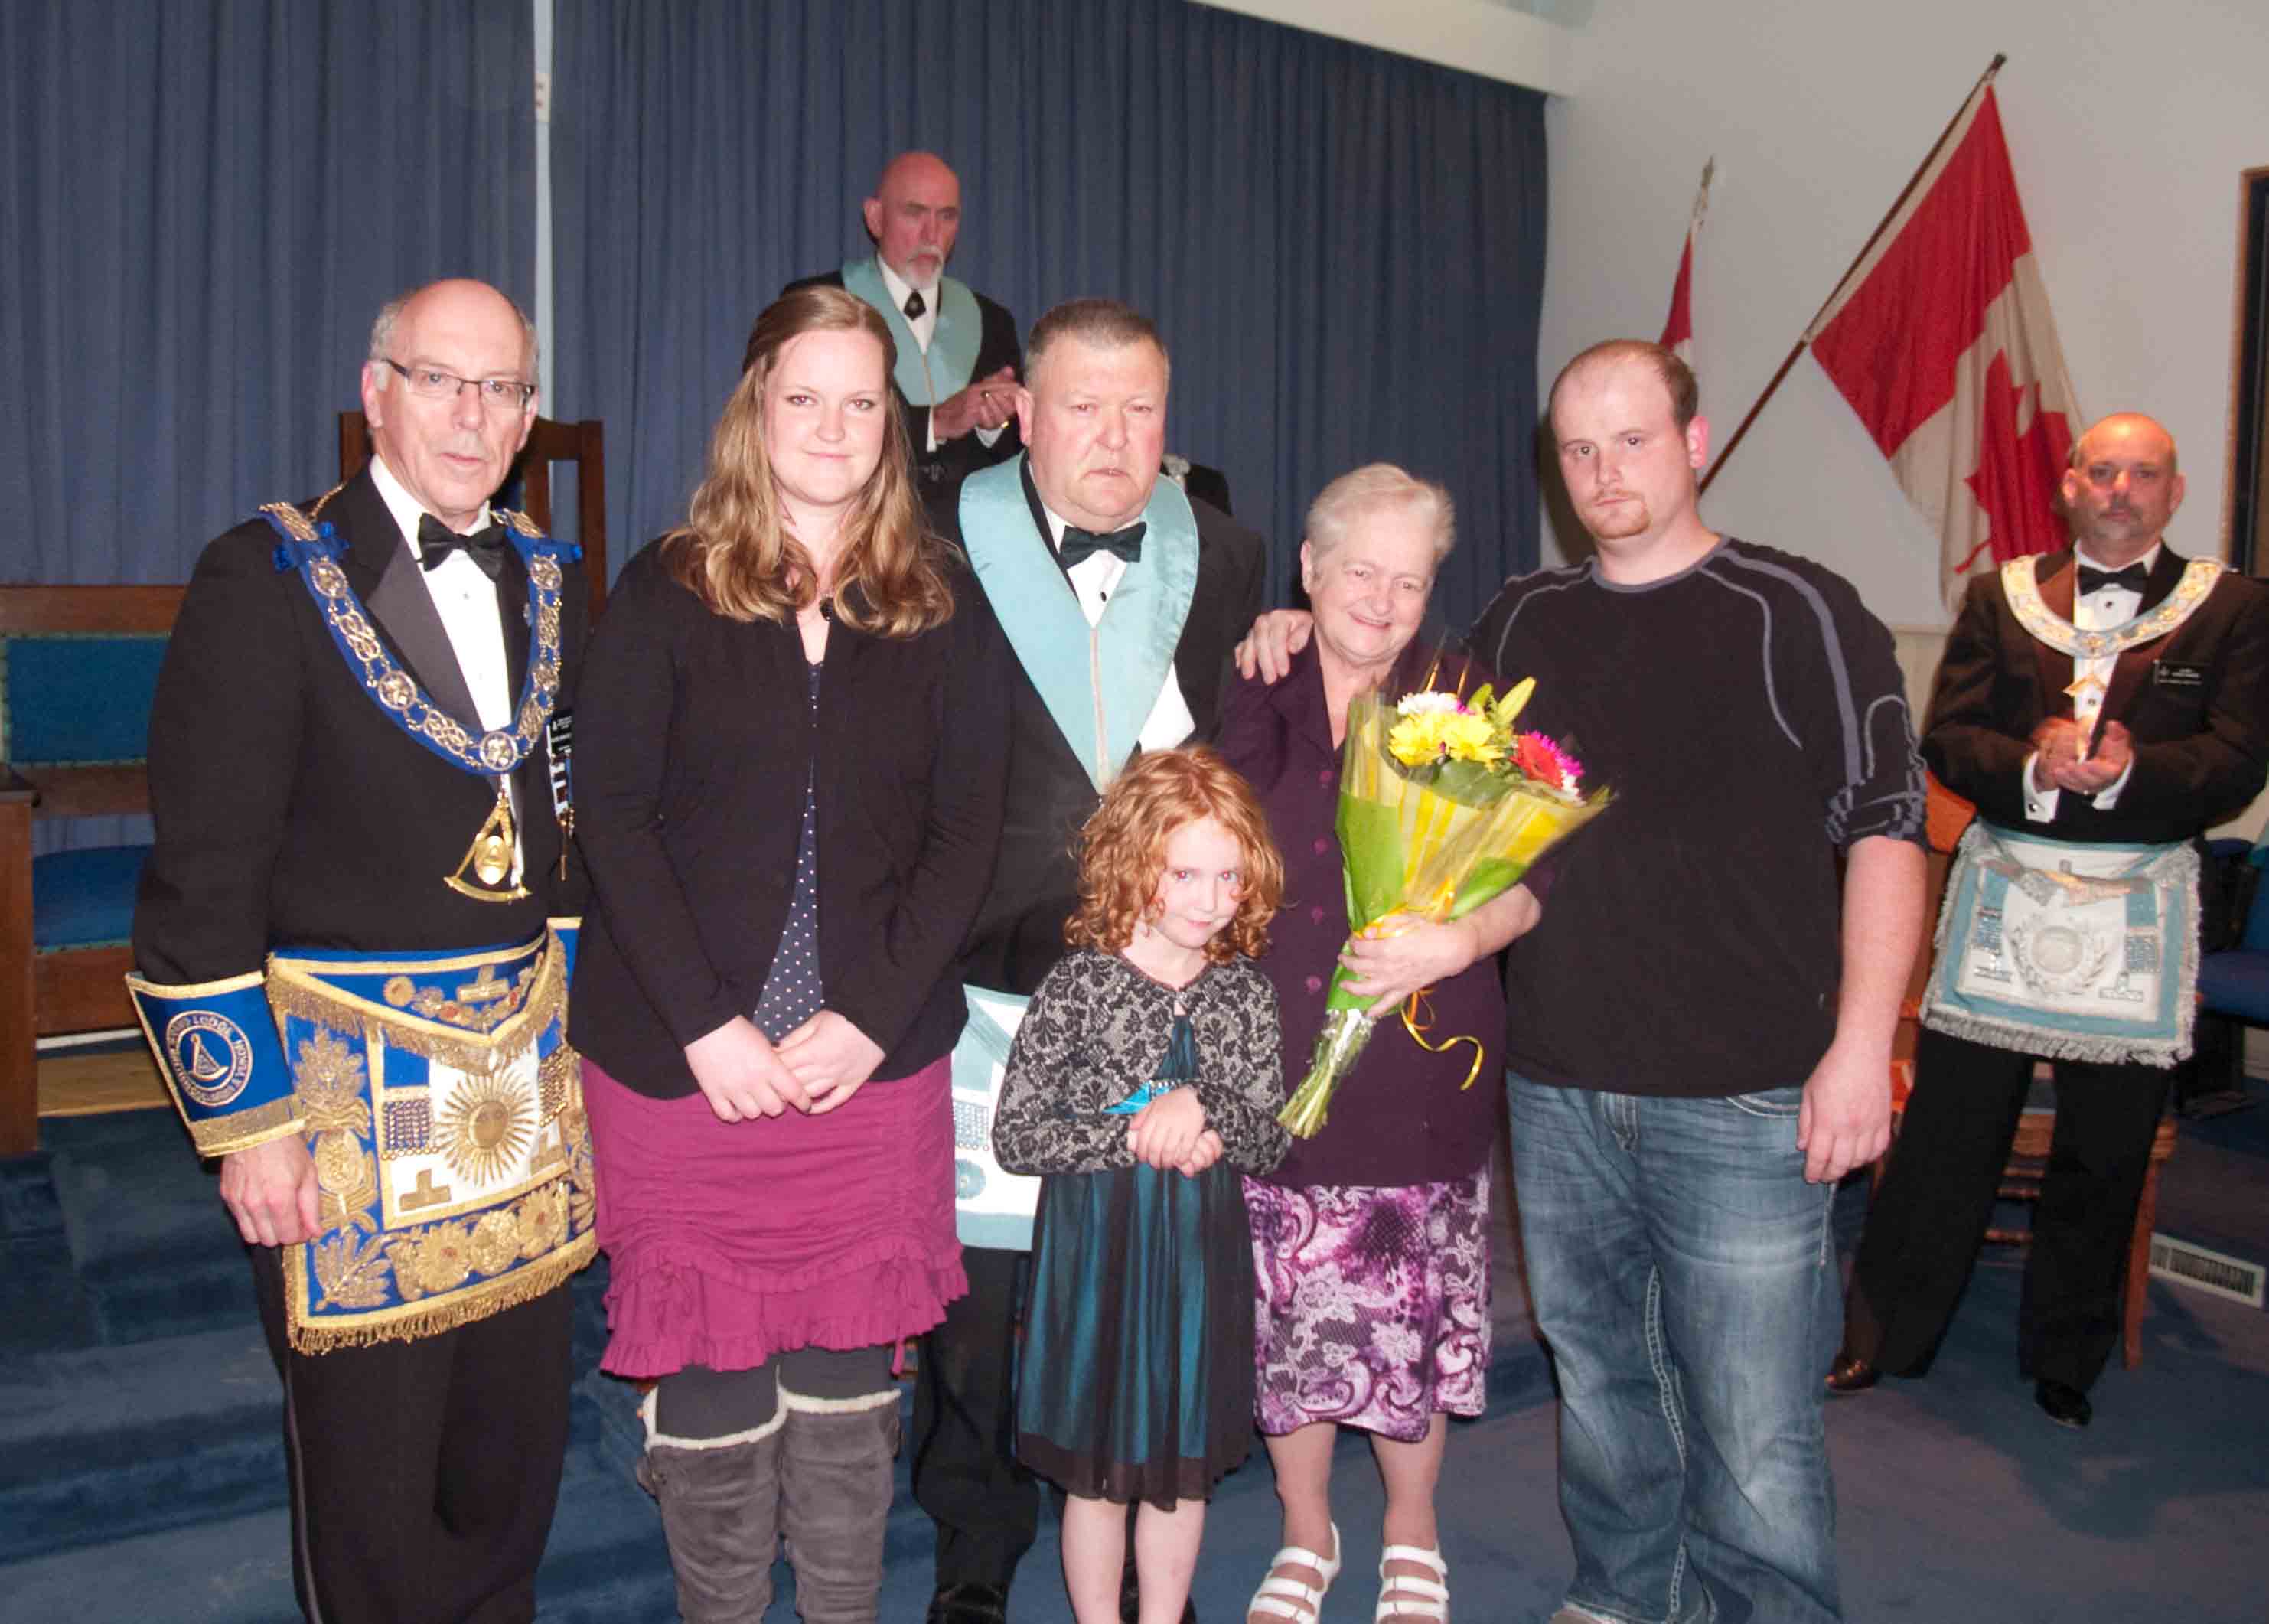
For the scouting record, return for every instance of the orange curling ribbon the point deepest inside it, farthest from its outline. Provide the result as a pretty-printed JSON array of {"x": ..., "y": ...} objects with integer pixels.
[{"x": 1418, "y": 1030}]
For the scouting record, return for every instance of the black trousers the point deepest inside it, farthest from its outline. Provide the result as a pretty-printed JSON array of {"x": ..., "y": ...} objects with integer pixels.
[
  {"x": 423, "y": 1473},
  {"x": 1930, "y": 1217},
  {"x": 965, "y": 1476}
]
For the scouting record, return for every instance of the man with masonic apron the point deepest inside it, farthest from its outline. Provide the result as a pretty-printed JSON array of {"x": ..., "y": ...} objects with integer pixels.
[
  {"x": 2102, "y": 707},
  {"x": 352, "y": 972}
]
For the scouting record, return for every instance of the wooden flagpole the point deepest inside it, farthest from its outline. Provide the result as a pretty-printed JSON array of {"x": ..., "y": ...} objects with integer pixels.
[{"x": 1900, "y": 202}]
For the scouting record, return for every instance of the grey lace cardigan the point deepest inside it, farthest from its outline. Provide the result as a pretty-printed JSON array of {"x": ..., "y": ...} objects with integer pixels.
[{"x": 1096, "y": 1032}]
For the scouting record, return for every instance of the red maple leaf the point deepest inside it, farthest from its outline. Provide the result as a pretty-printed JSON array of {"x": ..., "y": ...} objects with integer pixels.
[{"x": 2017, "y": 474}]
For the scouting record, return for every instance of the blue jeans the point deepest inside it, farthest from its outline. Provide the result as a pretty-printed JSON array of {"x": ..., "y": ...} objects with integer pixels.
[{"x": 1683, "y": 1273}]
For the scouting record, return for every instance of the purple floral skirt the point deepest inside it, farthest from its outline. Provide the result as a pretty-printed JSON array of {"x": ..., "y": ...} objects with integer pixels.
[{"x": 1372, "y": 1303}]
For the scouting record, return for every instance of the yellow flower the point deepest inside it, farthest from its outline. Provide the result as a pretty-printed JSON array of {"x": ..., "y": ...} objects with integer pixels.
[
  {"x": 1416, "y": 739},
  {"x": 1516, "y": 698},
  {"x": 1470, "y": 738}
]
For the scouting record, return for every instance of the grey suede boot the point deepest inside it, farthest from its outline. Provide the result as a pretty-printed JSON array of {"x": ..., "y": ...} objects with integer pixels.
[
  {"x": 720, "y": 1502},
  {"x": 836, "y": 1484}
]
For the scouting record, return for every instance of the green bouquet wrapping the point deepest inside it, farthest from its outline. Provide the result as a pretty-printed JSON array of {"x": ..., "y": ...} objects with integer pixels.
[{"x": 1443, "y": 807}]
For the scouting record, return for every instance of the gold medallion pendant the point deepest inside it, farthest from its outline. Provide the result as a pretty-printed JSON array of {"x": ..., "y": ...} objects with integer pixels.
[{"x": 489, "y": 857}]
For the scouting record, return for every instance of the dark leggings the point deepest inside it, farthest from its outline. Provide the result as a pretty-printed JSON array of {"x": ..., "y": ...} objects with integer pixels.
[{"x": 697, "y": 1402}]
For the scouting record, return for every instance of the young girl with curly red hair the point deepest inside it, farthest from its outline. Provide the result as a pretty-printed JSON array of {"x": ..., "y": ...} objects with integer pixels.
[{"x": 1146, "y": 1071}]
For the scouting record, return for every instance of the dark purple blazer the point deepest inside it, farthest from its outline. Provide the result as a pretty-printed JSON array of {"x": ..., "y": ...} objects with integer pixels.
[{"x": 1399, "y": 1117}]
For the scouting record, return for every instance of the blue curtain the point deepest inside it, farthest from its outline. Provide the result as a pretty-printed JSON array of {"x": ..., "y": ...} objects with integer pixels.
[
  {"x": 1344, "y": 248},
  {"x": 202, "y": 204}
]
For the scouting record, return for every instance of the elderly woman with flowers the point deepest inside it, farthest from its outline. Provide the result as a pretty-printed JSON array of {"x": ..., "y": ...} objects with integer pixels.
[{"x": 1371, "y": 1240}]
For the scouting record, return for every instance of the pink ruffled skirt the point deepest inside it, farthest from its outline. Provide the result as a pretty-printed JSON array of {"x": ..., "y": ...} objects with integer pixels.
[{"x": 730, "y": 1242}]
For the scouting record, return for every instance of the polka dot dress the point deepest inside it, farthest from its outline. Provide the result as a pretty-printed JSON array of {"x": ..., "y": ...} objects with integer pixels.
[{"x": 792, "y": 992}]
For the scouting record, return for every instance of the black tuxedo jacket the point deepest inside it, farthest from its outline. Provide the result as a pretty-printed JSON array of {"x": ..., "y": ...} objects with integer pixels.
[
  {"x": 290, "y": 809},
  {"x": 2197, "y": 702},
  {"x": 1018, "y": 935},
  {"x": 944, "y": 468}
]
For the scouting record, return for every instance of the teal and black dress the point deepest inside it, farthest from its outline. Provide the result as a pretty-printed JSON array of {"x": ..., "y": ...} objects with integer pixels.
[{"x": 1136, "y": 1381}]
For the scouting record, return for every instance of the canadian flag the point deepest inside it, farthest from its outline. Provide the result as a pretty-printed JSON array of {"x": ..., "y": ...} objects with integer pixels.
[
  {"x": 1941, "y": 338},
  {"x": 1678, "y": 327}
]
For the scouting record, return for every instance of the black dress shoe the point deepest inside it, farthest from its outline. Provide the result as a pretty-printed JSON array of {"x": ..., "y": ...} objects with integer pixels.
[
  {"x": 2066, "y": 1406},
  {"x": 1851, "y": 1375},
  {"x": 970, "y": 1602}
]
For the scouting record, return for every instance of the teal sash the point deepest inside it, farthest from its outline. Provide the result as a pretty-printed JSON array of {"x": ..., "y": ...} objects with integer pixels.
[
  {"x": 924, "y": 379},
  {"x": 1111, "y": 674}
]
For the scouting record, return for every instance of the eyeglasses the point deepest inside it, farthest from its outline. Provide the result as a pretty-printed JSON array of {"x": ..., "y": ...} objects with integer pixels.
[{"x": 430, "y": 383}]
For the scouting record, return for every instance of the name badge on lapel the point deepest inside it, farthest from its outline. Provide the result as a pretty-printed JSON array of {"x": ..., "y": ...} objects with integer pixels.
[{"x": 2175, "y": 673}]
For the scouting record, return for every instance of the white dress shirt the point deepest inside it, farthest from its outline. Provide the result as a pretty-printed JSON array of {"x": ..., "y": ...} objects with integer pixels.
[
  {"x": 2101, "y": 610},
  {"x": 924, "y": 326},
  {"x": 466, "y": 600},
  {"x": 1093, "y": 579}
]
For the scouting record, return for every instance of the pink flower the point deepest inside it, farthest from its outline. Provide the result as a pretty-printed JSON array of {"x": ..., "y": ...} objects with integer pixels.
[{"x": 1539, "y": 758}]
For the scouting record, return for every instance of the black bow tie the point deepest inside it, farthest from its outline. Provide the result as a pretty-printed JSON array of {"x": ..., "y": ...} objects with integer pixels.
[
  {"x": 437, "y": 541},
  {"x": 1080, "y": 545},
  {"x": 2095, "y": 580}
]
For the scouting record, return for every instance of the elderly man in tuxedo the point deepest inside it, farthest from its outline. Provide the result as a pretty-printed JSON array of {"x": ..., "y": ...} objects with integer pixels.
[
  {"x": 2102, "y": 706},
  {"x": 954, "y": 381},
  {"x": 353, "y": 766},
  {"x": 1121, "y": 598}
]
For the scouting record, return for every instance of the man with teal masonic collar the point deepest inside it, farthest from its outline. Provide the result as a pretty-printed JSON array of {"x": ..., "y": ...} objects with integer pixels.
[
  {"x": 1121, "y": 598},
  {"x": 954, "y": 381}
]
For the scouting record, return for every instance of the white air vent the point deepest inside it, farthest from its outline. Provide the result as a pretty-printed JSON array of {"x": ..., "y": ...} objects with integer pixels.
[{"x": 2187, "y": 1265}]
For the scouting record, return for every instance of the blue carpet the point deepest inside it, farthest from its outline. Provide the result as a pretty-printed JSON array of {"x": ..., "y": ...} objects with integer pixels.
[{"x": 140, "y": 1476}]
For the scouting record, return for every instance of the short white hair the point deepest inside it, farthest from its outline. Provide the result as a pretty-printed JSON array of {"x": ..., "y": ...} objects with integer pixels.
[{"x": 1377, "y": 487}]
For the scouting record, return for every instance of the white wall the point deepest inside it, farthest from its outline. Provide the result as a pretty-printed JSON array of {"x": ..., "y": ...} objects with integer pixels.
[
  {"x": 1520, "y": 41},
  {"x": 2127, "y": 125}
]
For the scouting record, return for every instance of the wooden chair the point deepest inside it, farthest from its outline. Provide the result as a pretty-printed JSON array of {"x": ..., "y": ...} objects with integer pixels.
[
  {"x": 78, "y": 666},
  {"x": 1948, "y": 816},
  {"x": 582, "y": 444}
]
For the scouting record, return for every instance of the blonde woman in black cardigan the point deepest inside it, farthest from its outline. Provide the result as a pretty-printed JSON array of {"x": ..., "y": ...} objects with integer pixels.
[{"x": 790, "y": 774}]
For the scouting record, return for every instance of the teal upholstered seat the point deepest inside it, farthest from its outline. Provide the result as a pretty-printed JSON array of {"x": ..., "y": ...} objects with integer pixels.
[
  {"x": 78, "y": 669},
  {"x": 79, "y": 699},
  {"x": 84, "y": 898},
  {"x": 75, "y": 699}
]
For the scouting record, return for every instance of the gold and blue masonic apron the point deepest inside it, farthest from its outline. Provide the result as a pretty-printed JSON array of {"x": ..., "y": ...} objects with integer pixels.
[
  {"x": 1099, "y": 684},
  {"x": 439, "y": 1098}
]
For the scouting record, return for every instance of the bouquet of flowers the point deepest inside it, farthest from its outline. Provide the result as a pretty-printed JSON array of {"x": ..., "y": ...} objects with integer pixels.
[{"x": 1443, "y": 807}]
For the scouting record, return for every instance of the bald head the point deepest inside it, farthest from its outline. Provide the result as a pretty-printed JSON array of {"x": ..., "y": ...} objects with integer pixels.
[
  {"x": 455, "y": 300},
  {"x": 436, "y": 389},
  {"x": 2122, "y": 426},
  {"x": 914, "y": 216},
  {"x": 2122, "y": 488}
]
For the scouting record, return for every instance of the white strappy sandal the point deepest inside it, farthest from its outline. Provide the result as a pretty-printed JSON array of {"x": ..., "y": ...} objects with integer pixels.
[
  {"x": 1289, "y": 1598},
  {"x": 1409, "y": 1597}
]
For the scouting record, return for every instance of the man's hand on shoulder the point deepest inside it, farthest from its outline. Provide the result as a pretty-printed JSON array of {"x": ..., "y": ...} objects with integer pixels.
[
  {"x": 987, "y": 403},
  {"x": 1268, "y": 649},
  {"x": 270, "y": 1191},
  {"x": 1846, "y": 1119}
]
